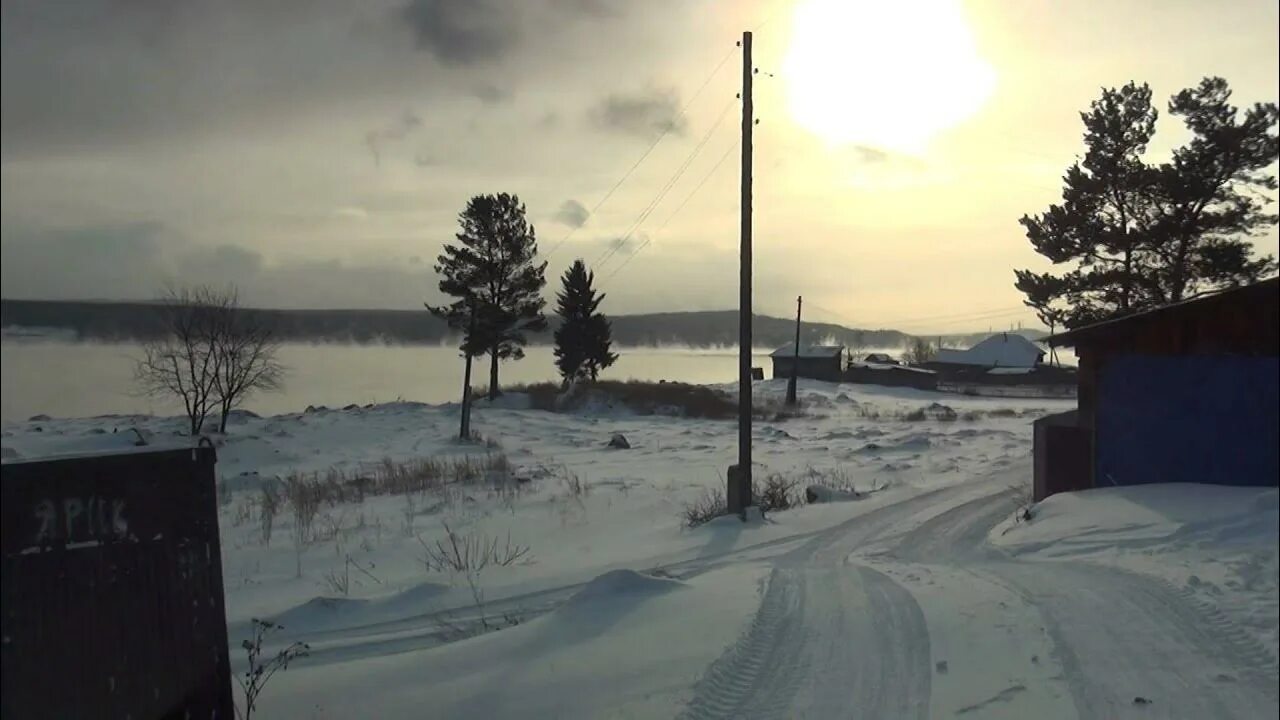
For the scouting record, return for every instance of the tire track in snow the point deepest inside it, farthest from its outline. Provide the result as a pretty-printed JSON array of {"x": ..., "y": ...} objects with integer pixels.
[
  {"x": 758, "y": 676},
  {"x": 831, "y": 639},
  {"x": 1118, "y": 635}
]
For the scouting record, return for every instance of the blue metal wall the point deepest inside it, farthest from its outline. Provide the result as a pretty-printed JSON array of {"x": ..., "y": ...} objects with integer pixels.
[{"x": 1192, "y": 418}]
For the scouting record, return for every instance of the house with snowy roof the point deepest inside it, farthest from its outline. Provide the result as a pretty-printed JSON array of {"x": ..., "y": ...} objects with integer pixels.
[
  {"x": 1002, "y": 350},
  {"x": 819, "y": 362}
]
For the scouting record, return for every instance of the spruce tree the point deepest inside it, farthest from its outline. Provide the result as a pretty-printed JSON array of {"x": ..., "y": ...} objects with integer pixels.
[
  {"x": 492, "y": 273},
  {"x": 583, "y": 339}
]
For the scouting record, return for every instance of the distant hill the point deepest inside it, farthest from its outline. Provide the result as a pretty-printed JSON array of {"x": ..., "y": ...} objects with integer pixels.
[{"x": 124, "y": 321}]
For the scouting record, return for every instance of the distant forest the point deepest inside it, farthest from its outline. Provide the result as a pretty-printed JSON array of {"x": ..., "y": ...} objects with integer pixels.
[{"x": 121, "y": 321}]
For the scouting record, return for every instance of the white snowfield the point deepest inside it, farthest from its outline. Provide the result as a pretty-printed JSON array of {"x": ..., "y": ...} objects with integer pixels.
[{"x": 922, "y": 598}]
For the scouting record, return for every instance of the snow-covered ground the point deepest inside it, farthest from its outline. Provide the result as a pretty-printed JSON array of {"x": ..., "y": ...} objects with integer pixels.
[{"x": 919, "y": 599}]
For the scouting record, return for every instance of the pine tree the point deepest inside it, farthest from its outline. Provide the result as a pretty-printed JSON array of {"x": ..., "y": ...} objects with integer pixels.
[
  {"x": 584, "y": 337},
  {"x": 1135, "y": 235},
  {"x": 492, "y": 273}
]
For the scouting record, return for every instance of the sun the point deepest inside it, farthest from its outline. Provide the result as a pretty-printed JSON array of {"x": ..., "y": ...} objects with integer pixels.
[{"x": 886, "y": 74}]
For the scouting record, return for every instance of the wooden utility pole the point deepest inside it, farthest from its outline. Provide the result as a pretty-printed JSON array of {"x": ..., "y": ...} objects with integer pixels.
[
  {"x": 464, "y": 433},
  {"x": 739, "y": 490},
  {"x": 795, "y": 360}
]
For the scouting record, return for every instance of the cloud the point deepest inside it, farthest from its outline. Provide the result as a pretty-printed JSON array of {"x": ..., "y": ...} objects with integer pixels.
[
  {"x": 572, "y": 213},
  {"x": 643, "y": 114},
  {"x": 351, "y": 212},
  {"x": 135, "y": 261},
  {"x": 871, "y": 155},
  {"x": 490, "y": 94},
  {"x": 479, "y": 32},
  {"x": 109, "y": 261},
  {"x": 402, "y": 127},
  {"x": 463, "y": 32}
]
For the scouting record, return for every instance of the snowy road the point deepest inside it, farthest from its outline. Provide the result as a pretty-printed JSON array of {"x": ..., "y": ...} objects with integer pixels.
[{"x": 841, "y": 633}]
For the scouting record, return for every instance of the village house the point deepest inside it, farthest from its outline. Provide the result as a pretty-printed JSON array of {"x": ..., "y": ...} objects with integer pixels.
[{"x": 817, "y": 362}]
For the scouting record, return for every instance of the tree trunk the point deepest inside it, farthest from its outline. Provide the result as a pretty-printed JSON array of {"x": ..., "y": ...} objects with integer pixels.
[
  {"x": 493, "y": 374},
  {"x": 222, "y": 423}
]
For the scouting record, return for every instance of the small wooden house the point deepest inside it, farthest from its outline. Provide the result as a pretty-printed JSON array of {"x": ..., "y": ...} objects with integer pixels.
[{"x": 818, "y": 362}]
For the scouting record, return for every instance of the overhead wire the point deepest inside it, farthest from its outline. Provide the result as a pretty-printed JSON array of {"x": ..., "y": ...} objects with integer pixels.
[
  {"x": 680, "y": 207},
  {"x": 666, "y": 130},
  {"x": 666, "y": 188}
]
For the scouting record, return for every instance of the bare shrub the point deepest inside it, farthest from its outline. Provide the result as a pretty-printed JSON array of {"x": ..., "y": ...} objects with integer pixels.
[
  {"x": 262, "y": 669},
  {"x": 709, "y": 506},
  {"x": 340, "y": 580},
  {"x": 473, "y": 552},
  {"x": 779, "y": 492},
  {"x": 1023, "y": 502},
  {"x": 242, "y": 511},
  {"x": 304, "y": 496},
  {"x": 916, "y": 415},
  {"x": 268, "y": 506},
  {"x": 469, "y": 555},
  {"x": 576, "y": 487}
]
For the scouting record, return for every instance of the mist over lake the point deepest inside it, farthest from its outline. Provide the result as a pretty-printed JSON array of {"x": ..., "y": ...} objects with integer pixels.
[{"x": 64, "y": 378}]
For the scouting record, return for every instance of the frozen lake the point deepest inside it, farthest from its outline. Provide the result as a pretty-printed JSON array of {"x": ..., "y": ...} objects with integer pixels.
[{"x": 73, "y": 379}]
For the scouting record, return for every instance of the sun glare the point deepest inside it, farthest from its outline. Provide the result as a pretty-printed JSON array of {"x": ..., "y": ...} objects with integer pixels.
[{"x": 889, "y": 75}]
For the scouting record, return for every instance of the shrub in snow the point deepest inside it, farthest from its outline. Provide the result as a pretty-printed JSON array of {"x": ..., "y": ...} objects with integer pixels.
[
  {"x": 304, "y": 498},
  {"x": 709, "y": 506},
  {"x": 778, "y": 492},
  {"x": 469, "y": 555},
  {"x": 1023, "y": 504},
  {"x": 268, "y": 506},
  {"x": 261, "y": 669}
]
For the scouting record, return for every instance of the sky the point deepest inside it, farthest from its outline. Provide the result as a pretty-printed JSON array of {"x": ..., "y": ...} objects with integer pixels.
[{"x": 316, "y": 153}]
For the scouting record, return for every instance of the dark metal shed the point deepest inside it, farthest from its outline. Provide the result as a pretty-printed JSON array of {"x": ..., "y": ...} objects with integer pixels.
[{"x": 1187, "y": 392}]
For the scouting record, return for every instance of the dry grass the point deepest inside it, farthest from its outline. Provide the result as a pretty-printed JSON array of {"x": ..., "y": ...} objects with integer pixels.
[
  {"x": 337, "y": 486},
  {"x": 709, "y": 506},
  {"x": 654, "y": 398}
]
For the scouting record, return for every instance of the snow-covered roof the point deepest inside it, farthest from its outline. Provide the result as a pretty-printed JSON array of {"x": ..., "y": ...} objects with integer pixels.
[
  {"x": 887, "y": 366},
  {"x": 1000, "y": 350},
  {"x": 808, "y": 351}
]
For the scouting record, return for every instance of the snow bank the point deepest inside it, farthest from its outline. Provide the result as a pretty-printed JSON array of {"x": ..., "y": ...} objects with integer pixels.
[
  {"x": 1218, "y": 545},
  {"x": 1181, "y": 514}
]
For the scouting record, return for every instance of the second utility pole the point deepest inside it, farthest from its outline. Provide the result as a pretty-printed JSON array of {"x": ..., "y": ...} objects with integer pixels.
[
  {"x": 739, "y": 490},
  {"x": 795, "y": 359}
]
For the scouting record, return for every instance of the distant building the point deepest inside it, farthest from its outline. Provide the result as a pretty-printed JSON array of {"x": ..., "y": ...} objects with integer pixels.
[
  {"x": 819, "y": 362},
  {"x": 1000, "y": 350},
  {"x": 1187, "y": 392},
  {"x": 880, "y": 359}
]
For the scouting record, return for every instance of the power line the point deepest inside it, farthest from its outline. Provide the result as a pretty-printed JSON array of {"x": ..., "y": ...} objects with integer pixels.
[
  {"x": 662, "y": 193},
  {"x": 684, "y": 202},
  {"x": 647, "y": 151},
  {"x": 969, "y": 319}
]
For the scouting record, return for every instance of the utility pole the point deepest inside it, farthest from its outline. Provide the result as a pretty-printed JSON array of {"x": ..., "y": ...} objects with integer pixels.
[
  {"x": 464, "y": 433},
  {"x": 795, "y": 361},
  {"x": 739, "y": 490}
]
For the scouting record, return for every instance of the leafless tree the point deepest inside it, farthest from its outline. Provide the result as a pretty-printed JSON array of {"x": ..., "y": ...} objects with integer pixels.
[
  {"x": 183, "y": 361},
  {"x": 245, "y": 348},
  {"x": 210, "y": 354},
  {"x": 921, "y": 351}
]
